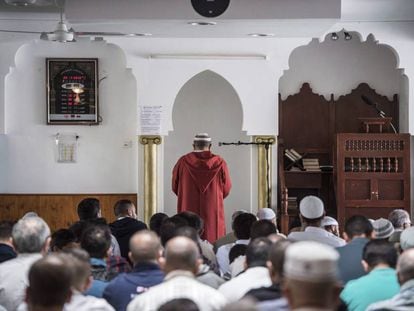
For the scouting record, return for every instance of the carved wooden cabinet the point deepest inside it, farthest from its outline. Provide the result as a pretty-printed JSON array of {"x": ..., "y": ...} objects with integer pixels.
[{"x": 372, "y": 174}]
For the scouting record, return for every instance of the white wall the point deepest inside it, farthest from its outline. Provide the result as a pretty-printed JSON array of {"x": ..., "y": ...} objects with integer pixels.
[
  {"x": 103, "y": 165},
  {"x": 337, "y": 67},
  {"x": 208, "y": 103}
]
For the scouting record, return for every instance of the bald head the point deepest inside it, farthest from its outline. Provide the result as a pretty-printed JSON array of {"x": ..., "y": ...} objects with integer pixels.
[
  {"x": 405, "y": 266},
  {"x": 50, "y": 276},
  {"x": 181, "y": 253},
  {"x": 145, "y": 246}
]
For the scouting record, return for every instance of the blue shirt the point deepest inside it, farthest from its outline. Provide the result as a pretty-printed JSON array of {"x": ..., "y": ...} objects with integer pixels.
[
  {"x": 121, "y": 290},
  {"x": 98, "y": 286},
  {"x": 379, "y": 284}
]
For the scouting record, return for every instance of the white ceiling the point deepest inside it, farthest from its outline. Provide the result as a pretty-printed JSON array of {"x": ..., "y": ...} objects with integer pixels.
[{"x": 169, "y": 18}]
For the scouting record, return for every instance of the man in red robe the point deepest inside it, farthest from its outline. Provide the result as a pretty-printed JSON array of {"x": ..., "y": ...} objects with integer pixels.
[{"x": 201, "y": 181}]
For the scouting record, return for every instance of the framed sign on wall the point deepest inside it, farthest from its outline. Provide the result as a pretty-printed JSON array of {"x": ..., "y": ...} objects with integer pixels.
[{"x": 72, "y": 91}]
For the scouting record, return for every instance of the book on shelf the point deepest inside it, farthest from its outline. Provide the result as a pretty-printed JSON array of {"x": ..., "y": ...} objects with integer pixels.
[
  {"x": 311, "y": 164},
  {"x": 292, "y": 204}
]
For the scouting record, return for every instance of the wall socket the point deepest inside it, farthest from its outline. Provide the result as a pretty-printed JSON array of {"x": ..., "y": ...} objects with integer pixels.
[{"x": 127, "y": 144}]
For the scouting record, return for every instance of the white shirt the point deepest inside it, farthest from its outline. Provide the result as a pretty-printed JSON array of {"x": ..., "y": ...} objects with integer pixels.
[
  {"x": 14, "y": 279},
  {"x": 223, "y": 255},
  {"x": 79, "y": 302},
  {"x": 178, "y": 284},
  {"x": 317, "y": 234},
  {"x": 237, "y": 287}
]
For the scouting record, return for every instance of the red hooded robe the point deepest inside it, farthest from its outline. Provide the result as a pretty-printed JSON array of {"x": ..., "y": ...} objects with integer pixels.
[{"x": 201, "y": 181}]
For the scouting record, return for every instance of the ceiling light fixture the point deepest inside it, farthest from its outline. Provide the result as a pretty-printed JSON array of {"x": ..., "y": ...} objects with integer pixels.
[
  {"x": 145, "y": 34},
  {"x": 210, "y": 56},
  {"x": 347, "y": 36},
  {"x": 261, "y": 35},
  {"x": 20, "y": 2},
  {"x": 202, "y": 23},
  {"x": 334, "y": 36}
]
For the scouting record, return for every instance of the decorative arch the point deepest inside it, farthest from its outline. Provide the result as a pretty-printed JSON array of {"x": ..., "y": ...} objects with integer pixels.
[
  {"x": 194, "y": 76},
  {"x": 217, "y": 75}
]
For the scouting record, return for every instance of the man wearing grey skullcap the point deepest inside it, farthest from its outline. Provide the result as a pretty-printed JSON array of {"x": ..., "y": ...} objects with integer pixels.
[
  {"x": 383, "y": 229},
  {"x": 310, "y": 271},
  {"x": 400, "y": 220},
  {"x": 201, "y": 181},
  {"x": 311, "y": 214}
]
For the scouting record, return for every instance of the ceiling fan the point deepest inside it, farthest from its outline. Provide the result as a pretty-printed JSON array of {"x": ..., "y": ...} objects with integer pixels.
[{"x": 62, "y": 33}]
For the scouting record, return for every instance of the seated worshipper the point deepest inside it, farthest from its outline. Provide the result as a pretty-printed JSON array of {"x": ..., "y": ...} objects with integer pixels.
[
  {"x": 383, "y": 229},
  {"x": 404, "y": 300},
  {"x": 358, "y": 231},
  {"x": 156, "y": 221},
  {"x": 125, "y": 225},
  {"x": 271, "y": 296},
  {"x": 81, "y": 281},
  {"x": 266, "y": 214},
  {"x": 196, "y": 222},
  {"x": 379, "y": 258},
  {"x": 330, "y": 224},
  {"x": 311, "y": 213},
  {"x": 90, "y": 209},
  {"x": 180, "y": 263},
  {"x": 96, "y": 240},
  {"x": 7, "y": 251},
  {"x": 260, "y": 229},
  {"x": 310, "y": 282},
  {"x": 205, "y": 273},
  {"x": 180, "y": 304},
  {"x": 256, "y": 274},
  {"x": 114, "y": 264},
  {"x": 237, "y": 259},
  {"x": 242, "y": 225},
  {"x": 145, "y": 250},
  {"x": 229, "y": 237},
  {"x": 169, "y": 226},
  {"x": 31, "y": 241},
  {"x": 400, "y": 220},
  {"x": 62, "y": 239},
  {"x": 49, "y": 285},
  {"x": 407, "y": 239}
]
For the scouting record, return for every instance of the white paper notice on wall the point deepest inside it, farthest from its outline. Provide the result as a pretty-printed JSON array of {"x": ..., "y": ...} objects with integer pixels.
[
  {"x": 66, "y": 147},
  {"x": 150, "y": 117}
]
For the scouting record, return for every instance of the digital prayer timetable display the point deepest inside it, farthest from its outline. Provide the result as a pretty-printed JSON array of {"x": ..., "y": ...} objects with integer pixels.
[{"x": 72, "y": 90}]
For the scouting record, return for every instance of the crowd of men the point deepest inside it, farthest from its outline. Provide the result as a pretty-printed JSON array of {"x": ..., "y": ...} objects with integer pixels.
[{"x": 126, "y": 265}]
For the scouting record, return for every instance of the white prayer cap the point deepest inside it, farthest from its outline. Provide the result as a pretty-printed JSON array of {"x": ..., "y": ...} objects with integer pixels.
[
  {"x": 311, "y": 207},
  {"x": 329, "y": 221},
  {"x": 202, "y": 137},
  {"x": 266, "y": 213},
  {"x": 311, "y": 262}
]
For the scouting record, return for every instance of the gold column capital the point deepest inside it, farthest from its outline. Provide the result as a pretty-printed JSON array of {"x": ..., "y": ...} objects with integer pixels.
[
  {"x": 265, "y": 139},
  {"x": 150, "y": 139}
]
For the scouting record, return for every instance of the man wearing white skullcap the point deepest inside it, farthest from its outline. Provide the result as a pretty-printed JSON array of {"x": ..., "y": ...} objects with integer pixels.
[
  {"x": 267, "y": 214},
  {"x": 201, "y": 181},
  {"x": 311, "y": 214},
  {"x": 310, "y": 272}
]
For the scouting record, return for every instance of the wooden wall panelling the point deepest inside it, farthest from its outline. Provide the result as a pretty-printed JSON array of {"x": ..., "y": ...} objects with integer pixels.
[
  {"x": 350, "y": 107},
  {"x": 306, "y": 121},
  {"x": 58, "y": 210}
]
